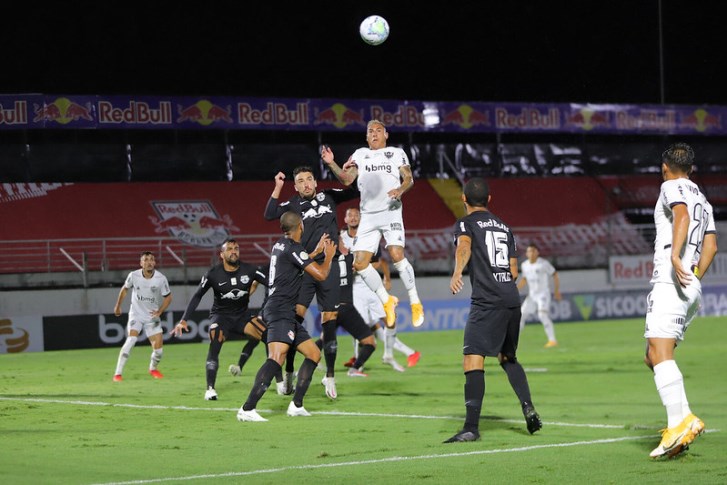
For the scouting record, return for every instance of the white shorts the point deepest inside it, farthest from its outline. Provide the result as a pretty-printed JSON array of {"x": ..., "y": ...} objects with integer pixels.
[
  {"x": 535, "y": 304},
  {"x": 152, "y": 327},
  {"x": 366, "y": 302},
  {"x": 671, "y": 309},
  {"x": 389, "y": 224}
]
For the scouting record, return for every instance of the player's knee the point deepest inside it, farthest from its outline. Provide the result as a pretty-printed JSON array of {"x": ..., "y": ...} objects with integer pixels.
[
  {"x": 505, "y": 359},
  {"x": 370, "y": 340},
  {"x": 360, "y": 264}
]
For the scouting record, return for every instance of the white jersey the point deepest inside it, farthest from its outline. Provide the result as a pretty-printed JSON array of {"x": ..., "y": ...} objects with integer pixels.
[
  {"x": 701, "y": 222},
  {"x": 378, "y": 173},
  {"x": 538, "y": 276},
  {"x": 147, "y": 295}
]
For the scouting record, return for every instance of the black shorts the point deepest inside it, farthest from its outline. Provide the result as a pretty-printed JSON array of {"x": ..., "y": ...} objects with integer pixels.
[
  {"x": 286, "y": 329},
  {"x": 327, "y": 292},
  {"x": 229, "y": 324},
  {"x": 351, "y": 320},
  {"x": 491, "y": 331}
]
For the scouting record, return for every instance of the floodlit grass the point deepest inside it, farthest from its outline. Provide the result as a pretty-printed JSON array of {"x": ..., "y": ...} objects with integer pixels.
[{"x": 62, "y": 419}]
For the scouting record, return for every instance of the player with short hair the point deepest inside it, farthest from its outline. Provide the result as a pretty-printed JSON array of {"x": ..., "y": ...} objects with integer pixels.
[
  {"x": 384, "y": 175},
  {"x": 232, "y": 282},
  {"x": 367, "y": 303},
  {"x": 288, "y": 262},
  {"x": 150, "y": 297},
  {"x": 486, "y": 247},
  {"x": 536, "y": 273},
  {"x": 319, "y": 213},
  {"x": 685, "y": 245}
]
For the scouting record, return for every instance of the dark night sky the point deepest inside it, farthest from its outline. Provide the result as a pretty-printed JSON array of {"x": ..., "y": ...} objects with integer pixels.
[{"x": 549, "y": 51}]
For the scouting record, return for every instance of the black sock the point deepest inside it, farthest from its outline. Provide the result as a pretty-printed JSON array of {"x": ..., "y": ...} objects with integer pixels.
[
  {"x": 305, "y": 373},
  {"x": 474, "y": 393},
  {"x": 247, "y": 352},
  {"x": 518, "y": 381},
  {"x": 290, "y": 360},
  {"x": 213, "y": 362},
  {"x": 262, "y": 381},
  {"x": 330, "y": 346},
  {"x": 364, "y": 352}
]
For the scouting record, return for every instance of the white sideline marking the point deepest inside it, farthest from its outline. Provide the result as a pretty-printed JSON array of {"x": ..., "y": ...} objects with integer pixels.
[
  {"x": 391, "y": 459},
  {"x": 321, "y": 413}
]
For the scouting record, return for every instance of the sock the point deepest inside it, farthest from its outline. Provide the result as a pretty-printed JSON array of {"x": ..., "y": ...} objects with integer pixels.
[
  {"x": 262, "y": 381},
  {"x": 156, "y": 356},
  {"x": 380, "y": 334},
  {"x": 390, "y": 338},
  {"x": 402, "y": 347},
  {"x": 124, "y": 354},
  {"x": 547, "y": 326},
  {"x": 247, "y": 352},
  {"x": 373, "y": 280},
  {"x": 523, "y": 317},
  {"x": 290, "y": 361},
  {"x": 686, "y": 411},
  {"x": 305, "y": 373},
  {"x": 364, "y": 354},
  {"x": 330, "y": 346},
  {"x": 355, "y": 348},
  {"x": 670, "y": 384},
  {"x": 213, "y": 362},
  {"x": 518, "y": 381},
  {"x": 406, "y": 273},
  {"x": 474, "y": 393}
]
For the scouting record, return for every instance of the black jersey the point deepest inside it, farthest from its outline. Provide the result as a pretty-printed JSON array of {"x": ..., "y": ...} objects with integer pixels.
[
  {"x": 493, "y": 244},
  {"x": 287, "y": 263},
  {"x": 231, "y": 290},
  {"x": 318, "y": 214}
]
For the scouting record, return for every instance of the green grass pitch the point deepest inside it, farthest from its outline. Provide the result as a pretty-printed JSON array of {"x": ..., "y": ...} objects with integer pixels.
[{"x": 63, "y": 420}]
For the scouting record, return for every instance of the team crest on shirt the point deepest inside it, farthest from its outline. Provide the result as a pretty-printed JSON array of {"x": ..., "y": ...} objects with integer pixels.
[
  {"x": 195, "y": 222},
  {"x": 245, "y": 280},
  {"x": 388, "y": 154},
  {"x": 320, "y": 196}
]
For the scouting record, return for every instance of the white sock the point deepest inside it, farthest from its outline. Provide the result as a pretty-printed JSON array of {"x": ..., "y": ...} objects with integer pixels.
[
  {"x": 390, "y": 338},
  {"x": 355, "y": 348},
  {"x": 686, "y": 411},
  {"x": 372, "y": 278},
  {"x": 670, "y": 384},
  {"x": 547, "y": 325},
  {"x": 402, "y": 347},
  {"x": 156, "y": 356},
  {"x": 124, "y": 354},
  {"x": 406, "y": 273}
]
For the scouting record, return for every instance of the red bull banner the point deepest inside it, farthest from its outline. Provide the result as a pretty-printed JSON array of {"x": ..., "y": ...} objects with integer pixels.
[{"x": 44, "y": 111}]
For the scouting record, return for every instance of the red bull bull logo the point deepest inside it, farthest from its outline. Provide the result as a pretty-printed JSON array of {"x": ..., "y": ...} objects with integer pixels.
[
  {"x": 338, "y": 115},
  {"x": 205, "y": 113},
  {"x": 466, "y": 117},
  {"x": 192, "y": 221},
  {"x": 63, "y": 111},
  {"x": 588, "y": 119},
  {"x": 702, "y": 121}
]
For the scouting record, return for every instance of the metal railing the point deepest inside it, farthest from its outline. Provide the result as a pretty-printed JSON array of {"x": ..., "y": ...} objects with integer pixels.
[{"x": 430, "y": 250}]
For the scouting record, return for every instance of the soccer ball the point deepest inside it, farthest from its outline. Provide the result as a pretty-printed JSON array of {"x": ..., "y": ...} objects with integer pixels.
[{"x": 374, "y": 30}]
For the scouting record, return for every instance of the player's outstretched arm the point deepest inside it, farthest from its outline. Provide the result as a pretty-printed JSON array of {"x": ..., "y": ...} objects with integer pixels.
[{"x": 272, "y": 209}]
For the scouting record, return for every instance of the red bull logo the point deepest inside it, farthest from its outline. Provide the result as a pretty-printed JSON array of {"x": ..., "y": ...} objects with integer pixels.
[
  {"x": 17, "y": 115},
  {"x": 63, "y": 111},
  {"x": 14, "y": 340},
  {"x": 205, "y": 113},
  {"x": 587, "y": 119},
  {"x": 192, "y": 221},
  {"x": 466, "y": 117},
  {"x": 338, "y": 115},
  {"x": 701, "y": 120}
]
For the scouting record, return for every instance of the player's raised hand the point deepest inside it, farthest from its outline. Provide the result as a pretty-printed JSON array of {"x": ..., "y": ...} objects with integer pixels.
[
  {"x": 326, "y": 154},
  {"x": 279, "y": 180},
  {"x": 349, "y": 165},
  {"x": 329, "y": 247}
]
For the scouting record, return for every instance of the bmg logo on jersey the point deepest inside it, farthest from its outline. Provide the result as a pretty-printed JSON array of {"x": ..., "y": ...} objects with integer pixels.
[{"x": 378, "y": 168}]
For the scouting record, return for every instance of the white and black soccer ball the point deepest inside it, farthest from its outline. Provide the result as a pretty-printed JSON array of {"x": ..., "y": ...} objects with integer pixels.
[{"x": 374, "y": 30}]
